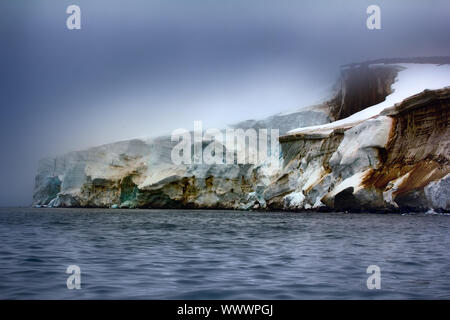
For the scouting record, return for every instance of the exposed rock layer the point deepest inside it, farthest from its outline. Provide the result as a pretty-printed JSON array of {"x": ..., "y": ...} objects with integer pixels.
[
  {"x": 418, "y": 149},
  {"x": 396, "y": 160},
  {"x": 389, "y": 162}
]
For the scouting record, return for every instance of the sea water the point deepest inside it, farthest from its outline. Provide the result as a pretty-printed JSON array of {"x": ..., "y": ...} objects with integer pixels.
[{"x": 194, "y": 254}]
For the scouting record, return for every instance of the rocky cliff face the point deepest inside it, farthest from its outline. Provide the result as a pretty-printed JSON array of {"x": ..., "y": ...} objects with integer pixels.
[
  {"x": 416, "y": 158},
  {"x": 395, "y": 159}
]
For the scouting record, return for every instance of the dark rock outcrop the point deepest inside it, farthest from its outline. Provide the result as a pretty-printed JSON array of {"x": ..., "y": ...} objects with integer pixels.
[{"x": 360, "y": 87}]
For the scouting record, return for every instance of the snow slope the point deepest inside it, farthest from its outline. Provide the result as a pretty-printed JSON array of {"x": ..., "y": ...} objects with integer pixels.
[{"x": 411, "y": 79}]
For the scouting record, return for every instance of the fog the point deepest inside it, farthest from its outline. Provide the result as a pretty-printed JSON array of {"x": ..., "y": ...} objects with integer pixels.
[{"x": 144, "y": 68}]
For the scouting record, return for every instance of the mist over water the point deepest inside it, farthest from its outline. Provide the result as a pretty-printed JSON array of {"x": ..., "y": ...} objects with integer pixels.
[{"x": 168, "y": 254}]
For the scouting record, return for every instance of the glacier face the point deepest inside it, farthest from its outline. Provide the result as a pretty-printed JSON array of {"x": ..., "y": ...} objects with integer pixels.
[
  {"x": 140, "y": 173},
  {"x": 393, "y": 158}
]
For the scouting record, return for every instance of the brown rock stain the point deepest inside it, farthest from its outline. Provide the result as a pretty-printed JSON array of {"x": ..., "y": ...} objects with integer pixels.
[{"x": 418, "y": 145}]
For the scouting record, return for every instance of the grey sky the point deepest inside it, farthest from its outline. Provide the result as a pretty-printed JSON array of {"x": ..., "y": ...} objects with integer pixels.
[{"x": 143, "y": 68}]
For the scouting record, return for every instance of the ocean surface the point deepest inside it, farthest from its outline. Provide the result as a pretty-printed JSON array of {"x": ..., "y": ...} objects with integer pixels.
[{"x": 189, "y": 254}]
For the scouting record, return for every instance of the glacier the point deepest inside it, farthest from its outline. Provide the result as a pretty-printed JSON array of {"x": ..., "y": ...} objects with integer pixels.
[{"x": 381, "y": 143}]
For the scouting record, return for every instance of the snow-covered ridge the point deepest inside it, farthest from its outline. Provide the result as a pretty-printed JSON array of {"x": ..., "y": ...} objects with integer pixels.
[
  {"x": 389, "y": 150},
  {"x": 412, "y": 79}
]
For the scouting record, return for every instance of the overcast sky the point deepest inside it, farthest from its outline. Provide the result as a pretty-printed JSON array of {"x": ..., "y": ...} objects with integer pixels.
[{"x": 144, "y": 68}]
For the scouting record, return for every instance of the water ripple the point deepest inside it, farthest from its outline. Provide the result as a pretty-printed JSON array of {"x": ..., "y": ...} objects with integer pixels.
[{"x": 188, "y": 254}]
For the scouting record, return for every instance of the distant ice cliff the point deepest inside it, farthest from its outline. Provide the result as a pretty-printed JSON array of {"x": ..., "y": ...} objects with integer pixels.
[{"x": 380, "y": 144}]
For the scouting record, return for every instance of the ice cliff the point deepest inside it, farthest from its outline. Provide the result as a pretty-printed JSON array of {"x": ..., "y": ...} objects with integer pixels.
[{"x": 381, "y": 143}]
